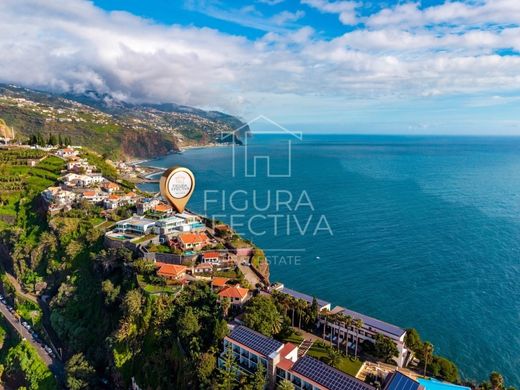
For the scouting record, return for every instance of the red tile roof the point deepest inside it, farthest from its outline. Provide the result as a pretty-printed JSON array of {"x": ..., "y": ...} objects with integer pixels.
[
  {"x": 210, "y": 255},
  {"x": 170, "y": 270},
  {"x": 218, "y": 281},
  {"x": 89, "y": 193},
  {"x": 162, "y": 208},
  {"x": 234, "y": 292},
  {"x": 285, "y": 364},
  {"x": 193, "y": 238}
]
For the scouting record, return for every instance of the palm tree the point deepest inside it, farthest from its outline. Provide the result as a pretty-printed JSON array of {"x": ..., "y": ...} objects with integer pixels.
[
  {"x": 225, "y": 304},
  {"x": 285, "y": 385},
  {"x": 358, "y": 324},
  {"x": 292, "y": 302},
  {"x": 300, "y": 305},
  {"x": 428, "y": 353},
  {"x": 348, "y": 324},
  {"x": 325, "y": 317}
]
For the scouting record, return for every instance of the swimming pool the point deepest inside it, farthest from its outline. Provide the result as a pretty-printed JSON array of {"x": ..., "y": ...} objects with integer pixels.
[{"x": 434, "y": 384}]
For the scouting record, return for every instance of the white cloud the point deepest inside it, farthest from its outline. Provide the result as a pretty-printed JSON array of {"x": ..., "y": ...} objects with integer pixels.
[
  {"x": 345, "y": 9},
  {"x": 287, "y": 16},
  {"x": 73, "y": 45}
]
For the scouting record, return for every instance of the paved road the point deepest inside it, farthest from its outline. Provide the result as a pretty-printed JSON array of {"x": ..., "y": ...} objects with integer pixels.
[
  {"x": 250, "y": 276},
  {"x": 54, "y": 364}
]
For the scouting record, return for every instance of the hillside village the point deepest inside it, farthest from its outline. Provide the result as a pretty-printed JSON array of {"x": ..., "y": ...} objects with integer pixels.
[{"x": 186, "y": 248}]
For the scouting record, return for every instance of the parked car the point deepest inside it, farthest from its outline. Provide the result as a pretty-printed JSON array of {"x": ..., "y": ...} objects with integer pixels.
[
  {"x": 1, "y": 296},
  {"x": 24, "y": 324},
  {"x": 3, "y": 301}
]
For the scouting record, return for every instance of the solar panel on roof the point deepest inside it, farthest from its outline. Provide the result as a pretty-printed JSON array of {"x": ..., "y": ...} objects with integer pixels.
[
  {"x": 254, "y": 340},
  {"x": 327, "y": 376},
  {"x": 400, "y": 381}
]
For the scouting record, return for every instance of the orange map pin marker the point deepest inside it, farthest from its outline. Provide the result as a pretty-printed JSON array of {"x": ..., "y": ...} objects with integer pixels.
[{"x": 177, "y": 185}]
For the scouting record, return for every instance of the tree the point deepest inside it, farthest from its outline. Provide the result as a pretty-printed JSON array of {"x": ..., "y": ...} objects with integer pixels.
[
  {"x": 333, "y": 357},
  {"x": 80, "y": 373},
  {"x": 258, "y": 379},
  {"x": 225, "y": 304},
  {"x": 427, "y": 354},
  {"x": 314, "y": 312},
  {"x": 205, "y": 366},
  {"x": 262, "y": 315},
  {"x": 285, "y": 385},
  {"x": 412, "y": 340},
  {"x": 110, "y": 291},
  {"x": 358, "y": 324},
  {"x": 227, "y": 377},
  {"x": 497, "y": 380},
  {"x": 188, "y": 324},
  {"x": 385, "y": 348}
]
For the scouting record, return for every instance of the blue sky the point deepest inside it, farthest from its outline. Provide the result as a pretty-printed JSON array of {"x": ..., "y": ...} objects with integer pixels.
[{"x": 430, "y": 67}]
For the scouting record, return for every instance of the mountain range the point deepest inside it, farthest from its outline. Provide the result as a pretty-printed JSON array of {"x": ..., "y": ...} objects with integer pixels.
[{"x": 115, "y": 128}]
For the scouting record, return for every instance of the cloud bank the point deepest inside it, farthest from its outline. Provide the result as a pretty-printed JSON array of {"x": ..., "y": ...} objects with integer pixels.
[{"x": 396, "y": 53}]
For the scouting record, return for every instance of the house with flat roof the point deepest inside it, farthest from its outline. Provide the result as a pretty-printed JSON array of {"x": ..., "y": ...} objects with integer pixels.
[
  {"x": 147, "y": 204},
  {"x": 282, "y": 362},
  {"x": 371, "y": 327},
  {"x": 135, "y": 225},
  {"x": 169, "y": 225},
  {"x": 322, "y": 305}
]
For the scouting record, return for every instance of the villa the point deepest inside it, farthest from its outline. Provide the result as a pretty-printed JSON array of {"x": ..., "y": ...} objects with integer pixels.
[
  {"x": 211, "y": 257},
  {"x": 146, "y": 205},
  {"x": 236, "y": 294},
  {"x": 93, "y": 196},
  {"x": 281, "y": 362},
  {"x": 58, "y": 196},
  {"x": 135, "y": 225},
  {"x": 193, "y": 241},
  {"x": 170, "y": 225},
  {"x": 112, "y": 202},
  {"x": 218, "y": 282},
  {"x": 163, "y": 208},
  {"x": 203, "y": 268},
  {"x": 171, "y": 271}
]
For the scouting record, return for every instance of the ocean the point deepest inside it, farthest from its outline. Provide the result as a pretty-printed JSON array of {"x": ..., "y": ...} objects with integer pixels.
[{"x": 421, "y": 232}]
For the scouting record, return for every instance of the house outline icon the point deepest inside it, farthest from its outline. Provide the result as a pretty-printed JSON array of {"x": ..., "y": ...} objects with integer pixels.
[{"x": 281, "y": 130}]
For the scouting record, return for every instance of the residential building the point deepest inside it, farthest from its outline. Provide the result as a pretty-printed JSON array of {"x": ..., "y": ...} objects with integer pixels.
[
  {"x": 112, "y": 201},
  {"x": 193, "y": 241},
  {"x": 171, "y": 271},
  {"x": 203, "y": 268},
  {"x": 135, "y": 225},
  {"x": 66, "y": 153},
  {"x": 237, "y": 295},
  {"x": 146, "y": 205},
  {"x": 218, "y": 282},
  {"x": 110, "y": 187},
  {"x": 58, "y": 196},
  {"x": 169, "y": 225},
  {"x": 163, "y": 208},
  {"x": 211, "y": 257},
  {"x": 93, "y": 196},
  {"x": 371, "y": 327},
  {"x": 282, "y": 362}
]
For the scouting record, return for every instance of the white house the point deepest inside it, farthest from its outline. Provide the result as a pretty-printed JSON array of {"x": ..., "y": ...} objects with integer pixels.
[{"x": 58, "y": 196}]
